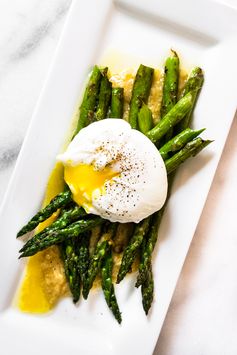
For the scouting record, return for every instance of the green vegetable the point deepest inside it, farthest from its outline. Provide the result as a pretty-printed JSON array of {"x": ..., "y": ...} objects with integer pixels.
[
  {"x": 89, "y": 101},
  {"x": 83, "y": 256},
  {"x": 140, "y": 93},
  {"x": 104, "y": 96},
  {"x": 194, "y": 81},
  {"x": 95, "y": 266},
  {"x": 66, "y": 218},
  {"x": 133, "y": 246},
  {"x": 189, "y": 150},
  {"x": 107, "y": 284},
  {"x": 57, "y": 202},
  {"x": 145, "y": 120},
  {"x": 148, "y": 291},
  {"x": 170, "y": 87},
  {"x": 117, "y": 100},
  {"x": 148, "y": 246},
  {"x": 175, "y": 115},
  {"x": 58, "y": 236},
  {"x": 194, "y": 84},
  {"x": 123, "y": 234},
  {"x": 178, "y": 142},
  {"x": 171, "y": 83},
  {"x": 70, "y": 259}
]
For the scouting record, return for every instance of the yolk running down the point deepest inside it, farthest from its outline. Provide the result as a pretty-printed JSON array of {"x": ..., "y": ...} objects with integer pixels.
[{"x": 85, "y": 182}]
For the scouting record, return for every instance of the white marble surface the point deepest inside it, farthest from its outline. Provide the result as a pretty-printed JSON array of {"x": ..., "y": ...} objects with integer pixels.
[{"x": 202, "y": 316}]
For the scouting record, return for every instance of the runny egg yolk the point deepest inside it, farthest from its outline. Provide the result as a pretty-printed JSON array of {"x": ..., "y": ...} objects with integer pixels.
[{"x": 86, "y": 183}]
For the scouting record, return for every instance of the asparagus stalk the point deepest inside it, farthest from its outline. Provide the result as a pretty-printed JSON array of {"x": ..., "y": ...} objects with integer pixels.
[
  {"x": 175, "y": 115},
  {"x": 130, "y": 251},
  {"x": 171, "y": 83},
  {"x": 61, "y": 235},
  {"x": 148, "y": 291},
  {"x": 108, "y": 231},
  {"x": 104, "y": 96},
  {"x": 107, "y": 284},
  {"x": 189, "y": 150},
  {"x": 117, "y": 99},
  {"x": 57, "y": 202},
  {"x": 88, "y": 104},
  {"x": 170, "y": 87},
  {"x": 66, "y": 218},
  {"x": 140, "y": 93},
  {"x": 178, "y": 142},
  {"x": 148, "y": 246},
  {"x": 194, "y": 83},
  {"x": 70, "y": 259},
  {"x": 83, "y": 256},
  {"x": 145, "y": 120},
  {"x": 123, "y": 234},
  {"x": 95, "y": 266}
]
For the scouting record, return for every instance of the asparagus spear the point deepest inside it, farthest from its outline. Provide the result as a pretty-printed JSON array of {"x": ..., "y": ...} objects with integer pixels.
[
  {"x": 117, "y": 99},
  {"x": 108, "y": 230},
  {"x": 107, "y": 284},
  {"x": 57, "y": 202},
  {"x": 89, "y": 100},
  {"x": 70, "y": 259},
  {"x": 123, "y": 234},
  {"x": 148, "y": 246},
  {"x": 148, "y": 290},
  {"x": 104, "y": 96},
  {"x": 75, "y": 254},
  {"x": 58, "y": 236},
  {"x": 189, "y": 150},
  {"x": 175, "y": 115},
  {"x": 130, "y": 251},
  {"x": 140, "y": 93},
  {"x": 171, "y": 83},
  {"x": 145, "y": 120},
  {"x": 194, "y": 82},
  {"x": 65, "y": 219},
  {"x": 170, "y": 87},
  {"x": 178, "y": 142},
  {"x": 83, "y": 256},
  {"x": 95, "y": 266}
]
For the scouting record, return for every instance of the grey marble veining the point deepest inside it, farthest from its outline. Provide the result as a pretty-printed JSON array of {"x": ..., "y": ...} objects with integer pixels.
[
  {"x": 8, "y": 155},
  {"x": 34, "y": 38},
  {"x": 28, "y": 40}
]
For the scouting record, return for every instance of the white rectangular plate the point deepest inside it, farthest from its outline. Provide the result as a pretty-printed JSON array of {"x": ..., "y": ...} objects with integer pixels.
[{"x": 204, "y": 33}]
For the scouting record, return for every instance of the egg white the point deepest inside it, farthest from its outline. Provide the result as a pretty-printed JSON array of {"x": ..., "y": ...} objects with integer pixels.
[{"x": 140, "y": 185}]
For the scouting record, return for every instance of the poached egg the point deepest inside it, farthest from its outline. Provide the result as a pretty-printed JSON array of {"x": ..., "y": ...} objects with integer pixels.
[{"x": 115, "y": 172}]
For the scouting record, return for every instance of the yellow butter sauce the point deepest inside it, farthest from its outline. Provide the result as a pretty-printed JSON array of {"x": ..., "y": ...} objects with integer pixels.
[{"x": 44, "y": 281}]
